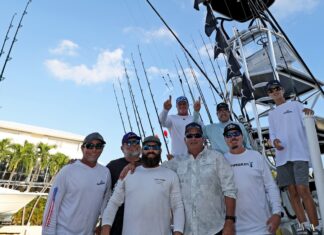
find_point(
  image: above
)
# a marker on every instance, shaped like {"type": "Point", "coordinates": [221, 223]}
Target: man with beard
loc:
{"type": "Point", "coordinates": [258, 205]}
{"type": "Point", "coordinates": [149, 194]}
{"type": "Point", "coordinates": [131, 149]}
{"type": "Point", "coordinates": [207, 186]}
{"type": "Point", "coordinates": [176, 124]}
{"type": "Point", "coordinates": [214, 132]}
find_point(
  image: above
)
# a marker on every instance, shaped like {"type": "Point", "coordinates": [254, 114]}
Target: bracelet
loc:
{"type": "Point", "coordinates": [229, 217]}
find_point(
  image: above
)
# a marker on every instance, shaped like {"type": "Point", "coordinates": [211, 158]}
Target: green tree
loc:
{"type": "Point", "coordinates": [5, 154]}
{"type": "Point", "coordinates": [56, 162]}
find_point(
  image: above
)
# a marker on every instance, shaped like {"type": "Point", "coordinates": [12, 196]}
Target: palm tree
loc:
{"type": "Point", "coordinates": [56, 162]}
{"type": "Point", "coordinates": [5, 153]}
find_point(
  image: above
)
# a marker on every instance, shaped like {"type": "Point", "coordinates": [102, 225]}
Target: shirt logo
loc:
{"type": "Point", "coordinates": [287, 111]}
{"type": "Point", "coordinates": [159, 181]}
{"type": "Point", "coordinates": [250, 164]}
{"type": "Point", "coordinates": [101, 182]}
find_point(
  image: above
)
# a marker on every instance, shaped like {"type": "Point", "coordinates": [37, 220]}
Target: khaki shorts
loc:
{"type": "Point", "coordinates": [293, 173]}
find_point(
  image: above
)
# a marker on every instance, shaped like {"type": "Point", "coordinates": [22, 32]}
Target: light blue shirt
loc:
{"type": "Point", "coordinates": [214, 133]}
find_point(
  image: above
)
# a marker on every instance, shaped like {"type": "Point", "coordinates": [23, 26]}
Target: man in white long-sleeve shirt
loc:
{"type": "Point", "coordinates": [258, 204]}
{"type": "Point", "coordinates": [176, 124]}
{"type": "Point", "coordinates": [149, 194]}
{"type": "Point", "coordinates": [79, 193]}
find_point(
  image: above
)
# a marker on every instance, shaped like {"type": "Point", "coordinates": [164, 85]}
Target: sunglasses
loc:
{"type": "Point", "coordinates": [190, 136]}
{"type": "Point", "coordinates": [272, 89]}
{"type": "Point", "coordinates": [92, 146]}
{"type": "Point", "coordinates": [133, 142]}
{"type": "Point", "coordinates": [233, 134]}
{"type": "Point", "coordinates": [151, 147]}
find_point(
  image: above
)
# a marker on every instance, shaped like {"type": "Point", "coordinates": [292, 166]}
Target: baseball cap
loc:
{"type": "Point", "coordinates": [232, 127]}
{"type": "Point", "coordinates": [130, 135]}
{"type": "Point", "coordinates": [193, 125]}
{"type": "Point", "coordinates": [152, 138]}
{"type": "Point", "coordinates": [222, 106]}
{"type": "Point", "coordinates": [273, 83]}
{"type": "Point", "coordinates": [182, 99]}
{"type": "Point", "coordinates": [94, 136]}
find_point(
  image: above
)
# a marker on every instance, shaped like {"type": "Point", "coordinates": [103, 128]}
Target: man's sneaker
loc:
{"type": "Point", "coordinates": [302, 231]}
{"type": "Point", "coordinates": [316, 232]}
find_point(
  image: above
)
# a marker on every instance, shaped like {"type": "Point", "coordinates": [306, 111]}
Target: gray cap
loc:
{"type": "Point", "coordinates": [94, 136]}
{"type": "Point", "coordinates": [152, 138]}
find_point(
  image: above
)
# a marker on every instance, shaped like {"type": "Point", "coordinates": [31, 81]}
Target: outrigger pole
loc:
{"type": "Point", "coordinates": [156, 111]}
{"type": "Point", "coordinates": [184, 48]}
{"type": "Point", "coordinates": [13, 41]}
{"type": "Point", "coordinates": [120, 114]}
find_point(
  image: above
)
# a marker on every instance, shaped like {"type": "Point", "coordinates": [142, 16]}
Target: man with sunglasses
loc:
{"type": "Point", "coordinates": [176, 124]}
{"type": "Point", "coordinates": [79, 193]}
{"type": "Point", "coordinates": [207, 186]}
{"type": "Point", "coordinates": [288, 136]}
{"type": "Point", "coordinates": [214, 132]}
{"type": "Point", "coordinates": [131, 148]}
{"type": "Point", "coordinates": [258, 205]}
{"type": "Point", "coordinates": [149, 194]}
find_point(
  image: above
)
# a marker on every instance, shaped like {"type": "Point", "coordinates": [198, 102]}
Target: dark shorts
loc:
{"type": "Point", "coordinates": [293, 173]}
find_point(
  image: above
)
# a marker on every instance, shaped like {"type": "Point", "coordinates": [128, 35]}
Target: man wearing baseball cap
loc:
{"type": "Point", "coordinates": [79, 193]}
{"type": "Point", "coordinates": [149, 194]}
{"type": "Point", "coordinates": [288, 136]}
{"type": "Point", "coordinates": [214, 132]}
{"type": "Point", "coordinates": [131, 148]}
{"type": "Point", "coordinates": [176, 124]}
{"type": "Point", "coordinates": [258, 195]}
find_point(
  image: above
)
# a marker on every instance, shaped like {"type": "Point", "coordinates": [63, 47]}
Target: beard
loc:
{"type": "Point", "coordinates": [132, 154]}
{"type": "Point", "coordinates": [151, 162]}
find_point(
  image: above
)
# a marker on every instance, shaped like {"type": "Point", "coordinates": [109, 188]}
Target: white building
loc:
{"type": "Point", "coordinates": [67, 143]}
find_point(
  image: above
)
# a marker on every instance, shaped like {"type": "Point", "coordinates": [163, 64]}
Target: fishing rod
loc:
{"type": "Point", "coordinates": [126, 108]}
{"type": "Point", "coordinates": [135, 109]}
{"type": "Point", "coordinates": [144, 101]}
{"type": "Point", "coordinates": [170, 80]}
{"type": "Point", "coordinates": [120, 114]}
{"type": "Point", "coordinates": [219, 68]}
{"type": "Point", "coordinates": [165, 82]}
{"type": "Point", "coordinates": [199, 89]}
{"type": "Point", "coordinates": [6, 37]}
{"type": "Point", "coordinates": [13, 41]}
{"type": "Point", "coordinates": [203, 65]}
{"type": "Point", "coordinates": [186, 80]}
{"type": "Point", "coordinates": [182, 45]}
{"type": "Point", "coordinates": [156, 111]}
{"type": "Point", "coordinates": [180, 80]}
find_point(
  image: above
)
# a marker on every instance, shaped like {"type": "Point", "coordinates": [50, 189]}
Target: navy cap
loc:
{"type": "Point", "coordinates": [222, 106]}
{"type": "Point", "coordinates": [94, 136]}
{"type": "Point", "coordinates": [130, 135]}
{"type": "Point", "coordinates": [273, 83]}
{"type": "Point", "coordinates": [182, 99]}
{"type": "Point", "coordinates": [152, 138]}
{"type": "Point", "coordinates": [232, 127]}
{"type": "Point", "coordinates": [193, 125]}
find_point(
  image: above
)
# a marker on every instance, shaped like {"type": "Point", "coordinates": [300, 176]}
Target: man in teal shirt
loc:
{"type": "Point", "coordinates": [214, 132]}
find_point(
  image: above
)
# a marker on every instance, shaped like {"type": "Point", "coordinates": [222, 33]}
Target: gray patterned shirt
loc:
{"type": "Point", "coordinates": [204, 182]}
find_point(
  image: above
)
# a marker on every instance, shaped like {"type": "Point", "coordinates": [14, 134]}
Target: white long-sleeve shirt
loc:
{"type": "Point", "coordinates": [176, 125]}
{"type": "Point", "coordinates": [76, 199]}
{"type": "Point", "coordinates": [258, 195]}
{"type": "Point", "coordinates": [286, 124]}
{"type": "Point", "coordinates": [149, 194]}
{"type": "Point", "coordinates": [204, 182]}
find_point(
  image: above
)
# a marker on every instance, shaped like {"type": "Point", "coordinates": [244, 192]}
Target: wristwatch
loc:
{"type": "Point", "coordinates": [230, 217]}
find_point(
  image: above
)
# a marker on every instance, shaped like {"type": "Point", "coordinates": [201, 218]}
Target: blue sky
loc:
{"type": "Point", "coordinates": [69, 53]}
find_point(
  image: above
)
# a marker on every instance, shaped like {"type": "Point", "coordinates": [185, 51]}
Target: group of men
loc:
{"type": "Point", "coordinates": [224, 187]}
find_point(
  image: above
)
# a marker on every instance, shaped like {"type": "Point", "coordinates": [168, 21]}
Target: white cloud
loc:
{"type": "Point", "coordinates": [107, 68]}
{"type": "Point", "coordinates": [149, 35]}
{"type": "Point", "coordinates": [65, 47]}
{"type": "Point", "coordinates": [285, 8]}
{"type": "Point", "coordinates": [157, 71]}
{"type": "Point", "coordinates": [203, 52]}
